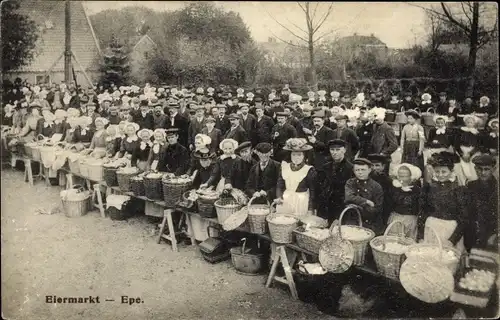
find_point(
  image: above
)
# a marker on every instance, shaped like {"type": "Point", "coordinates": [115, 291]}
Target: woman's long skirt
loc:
{"type": "Point", "coordinates": [410, 154]}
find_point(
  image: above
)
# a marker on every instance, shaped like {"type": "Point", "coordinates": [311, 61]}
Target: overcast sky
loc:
{"type": "Point", "coordinates": [399, 25]}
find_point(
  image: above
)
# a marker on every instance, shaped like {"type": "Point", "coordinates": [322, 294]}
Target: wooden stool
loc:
{"type": "Point", "coordinates": [97, 194]}
{"type": "Point", "coordinates": [168, 221]}
{"type": "Point", "coordinates": [14, 158]}
{"type": "Point", "coordinates": [28, 173]}
{"type": "Point", "coordinates": [44, 173]}
{"type": "Point", "coordinates": [280, 255]}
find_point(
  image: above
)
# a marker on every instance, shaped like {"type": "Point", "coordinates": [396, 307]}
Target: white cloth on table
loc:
{"type": "Point", "coordinates": [296, 203]}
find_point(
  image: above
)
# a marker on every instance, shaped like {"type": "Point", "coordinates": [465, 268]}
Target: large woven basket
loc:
{"type": "Point", "coordinates": [306, 242]}
{"type": "Point", "coordinates": [109, 176]}
{"type": "Point", "coordinates": [76, 208]}
{"type": "Point", "coordinates": [225, 207]}
{"type": "Point", "coordinates": [360, 246]}
{"type": "Point", "coordinates": [257, 214]}
{"type": "Point", "coordinates": [137, 186]}
{"type": "Point", "coordinates": [153, 188]}
{"type": "Point", "coordinates": [172, 192]}
{"type": "Point", "coordinates": [389, 263]}
{"type": "Point", "coordinates": [281, 233]}
{"type": "Point", "coordinates": [206, 207]}
{"type": "Point", "coordinates": [124, 180]}
{"type": "Point", "coordinates": [401, 117]}
{"type": "Point", "coordinates": [95, 171]}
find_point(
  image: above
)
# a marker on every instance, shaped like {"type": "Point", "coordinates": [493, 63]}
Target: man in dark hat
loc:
{"type": "Point", "coordinates": [221, 120]}
{"type": "Point", "coordinates": [236, 132]}
{"type": "Point", "coordinates": [74, 102]}
{"type": "Point", "coordinates": [319, 139]}
{"type": "Point", "coordinates": [344, 133]}
{"type": "Point", "coordinates": [282, 131]}
{"type": "Point", "coordinates": [145, 118]}
{"type": "Point", "coordinates": [176, 157]}
{"type": "Point", "coordinates": [83, 101]}
{"type": "Point", "coordinates": [175, 120]}
{"type": "Point", "coordinates": [263, 126]}
{"type": "Point", "coordinates": [380, 173]}
{"type": "Point", "coordinates": [482, 200]}
{"type": "Point", "coordinates": [159, 118]}
{"type": "Point", "coordinates": [196, 124]}
{"type": "Point", "coordinates": [333, 176]}
{"type": "Point", "coordinates": [244, 150]}
{"type": "Point", "coordinates": [367, 194]}
{"type": "Point", "coordinates": [292, 119]}
{"type": "Point", "coordinates": [276, 106]}
{"type": "Point", "coordinates": [114, 115]}
{"type": "Point", "coordinates": [383, 140]}
{"type": "Point", "coordinates": [106, 104]}
{"type": "Point", "coordinates": [261, 183]}
{"type": "Point", "coordinates": [258, 102]}
{"type": "Point", "coordinates": [379, 101]}
{"type": "Point", "coordinates": [214, 133]}
{"type": "Point", "coordinates": [248, 121]}
{"type": "Point", "coordinates": [442, 105]}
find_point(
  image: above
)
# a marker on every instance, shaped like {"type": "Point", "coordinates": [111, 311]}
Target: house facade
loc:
{"type": "Point", "coordinates": [48, 63]}
{"type": "Point", "coordinates": [139, 57]}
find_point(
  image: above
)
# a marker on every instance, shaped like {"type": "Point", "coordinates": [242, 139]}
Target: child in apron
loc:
{"type": "Point", "coordinates": [412, 140]}
{"type": "Point", "coordinates": [467, 145]}
{"type": "Point", "coordinates": [157, 150]}
{"type": "Point", "coordinates": [296, 184]}
{"type": "Point", "coordinates": [404, 198]}
{"type": "Point", "coordinates": [141, 152]}
{"type": "Point", "coordinates": [443, 203]}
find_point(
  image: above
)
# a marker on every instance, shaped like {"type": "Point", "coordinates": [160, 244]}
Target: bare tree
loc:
{"type": "Point", "coordinates": [435, 28]}
{"type": "Point", "coordinates": [309, 36]}
{"type": "Point", "coordinates": [478, 21]}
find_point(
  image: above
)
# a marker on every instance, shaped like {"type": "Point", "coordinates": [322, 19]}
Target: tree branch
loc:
{"type": "Point", "coordinates": [465, 12]}
{"type": "Point", "coordinates": [450, 18]}
{"type": "Point", "coordinates": [322, 21]}
{"type": "Point", "coordinates": [296, 26]}
{"type": "Point", "coordinates": [314, 12]}
{"type": "Point", "coordinates": [285, 41]}
{"type": "Point", "coordinates": [287, 29]}
{"type": "Point", "coordinates": [303, 9]}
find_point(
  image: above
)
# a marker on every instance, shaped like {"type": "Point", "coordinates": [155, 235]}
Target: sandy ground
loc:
{"type": "Point", "coordinates": [55, 255]}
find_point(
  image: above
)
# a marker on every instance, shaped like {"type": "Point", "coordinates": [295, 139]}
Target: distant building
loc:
{"type": "Point", "coordinates": [356, 45]}
{"type": "Point", "coordinates": [140, 55]}
{"type": "Point", "coordinates": [48, 63]}
{"type": "Point", "coordinates": [284, 54]}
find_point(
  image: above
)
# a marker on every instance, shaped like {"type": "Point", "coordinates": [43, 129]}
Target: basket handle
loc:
{"type": "Point", "coordinates": [350, 206]}
{"type": "Point", "coordinates": [433, 111]}
{"type": "Point", "coordinates": [403, 109]}
{"type": "Point", "coordinates": [210, 226]}
{"type": "Point", "coordinates": [417, 109]}
{"type": "Point", "coordinates": [38, 137]}
{"type": "Point", "coordinates": [389, 227]}
{"type": "Point", "coordinates": [439, 242]}
{"type": "Point", "coordinates": [253, 198]}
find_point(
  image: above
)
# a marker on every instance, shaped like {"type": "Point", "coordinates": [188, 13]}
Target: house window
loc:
{"type": "Point", "coordinates": [42, 79]}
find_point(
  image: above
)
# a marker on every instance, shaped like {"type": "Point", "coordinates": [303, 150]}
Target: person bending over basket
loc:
{"type": "Point", "coordinates": [202, 169]}
{"type": "Point", "coordinates": [113, 140]}
{"type": "Point", "coordinates": [83, 133]}
{"type": "Point", "coordinates": [404, 198]}
{"type": "Point", "coordinates": [366, 193]}
{"type": "Point", "coordinates": [296, 188]}
{"type": "Point", "coordinates": [142, 150]}
{"type": "Point", "coordinates": [227, 171]}
{"type": "Point", "coordinates": [261, 183]}
{"type": "Point", "coordinates": [443, 205]}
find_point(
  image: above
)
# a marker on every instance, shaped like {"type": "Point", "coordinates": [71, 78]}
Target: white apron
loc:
{"type": "Point", "coordinates": [444, 229]}
{"type": "Point", "coordinates": [409, 222]}
{"type": "Point", "coordinates": [296, 203]}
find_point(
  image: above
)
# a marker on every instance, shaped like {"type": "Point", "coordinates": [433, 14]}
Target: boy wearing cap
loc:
{"type": "Point", "coordinates": [319, 139]}
{"type": "Point", "coordinates": [221, 120]}
{"type": "Point", "coordinates": [248, 121]}
{"type": "Point", "coordinates": [144, 118]}
{"type": "Point", "coordinates": [282, 131]}
{"type": "Point", "coordinates": [196, 124]}
{"type": "Point", "coordinates": [214, 134]}
{"type": "Point", "coordinates": [408, 103]}
{"type": "Point", "coordinates": [333, 176]}
{"type": "Point", "coordinates": [245, 152]}
{"type": "Point", "coordinates": [264, 126]}
{"type": "Point", "coordinates": [236, 132]}
{"type": "Point", "coordinates": [380, 173]}
{"type": "Point", "coordinates": [367, 194]}
{"type": "Point", "coordinates": [348, 135]}
{"type": "Point", "coordinates": [442, 105]}
{"type": "Point", "coordinates": [263, 176]}
{"type": "Point", "coordinates": [482, 200]}
{"type": "Point", "coordinates": [176, 157]}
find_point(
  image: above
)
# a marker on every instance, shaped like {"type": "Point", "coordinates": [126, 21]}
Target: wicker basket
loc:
{"type": "Point", "coordinates": [206, 207]}
{"type": "Point", "coordinates": [123, 179]}
{"type": "Point", "coordinates": [137, 186]}
{"type": "Point", "coordinates": [390, 116]}
{"type": "Point", "coordinates": [306, 242]}
{"type": "Point", "coordinates": [95, 171]}
{"type": "Point", "coordinates": [389, 263]}
{"type": "Point", "coordinates": [257, 218]}
{"type": "Point", "coordinates": [84, 168]}
{"type": "Point", "coordinates": [76, 208]}
{"type": "Point", "coordinates": [428, 117]}
{"type": "Point", "coordinates": [172, 192]}
{"type": "Point", "coordinates": [109, 176]}
{"type": "Point", "coordinates": [225, 207]}
{"type": "Point", "coordinates": [452, 265]}
{"type": "Point", "coordinates": [401, 117]}
{"type": "Point", "coordinates": [360, 246]}
{"type": "Point", "coordinates": [153, 188]}
{"type": "Point", "coordinates": [281, 233]}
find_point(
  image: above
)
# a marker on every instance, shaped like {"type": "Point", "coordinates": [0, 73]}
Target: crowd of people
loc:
{"type": "Point", "coordinates": [313, 154]}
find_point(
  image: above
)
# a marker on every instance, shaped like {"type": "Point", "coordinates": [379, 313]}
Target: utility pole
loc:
{"type": "Point", "coordinates": [67, 50]}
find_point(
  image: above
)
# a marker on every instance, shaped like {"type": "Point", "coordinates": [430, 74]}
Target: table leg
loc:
{"type": "Point", "coordinates": [276, 260]}
{"type": "Point", "coordinates": [171, 229]}
{"type": "Point", "coordinates": [288, 270]}
{"type": "Point", "coordinates": [97, 191]}
{"type": "Point", "coordinates": [191, 231]}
